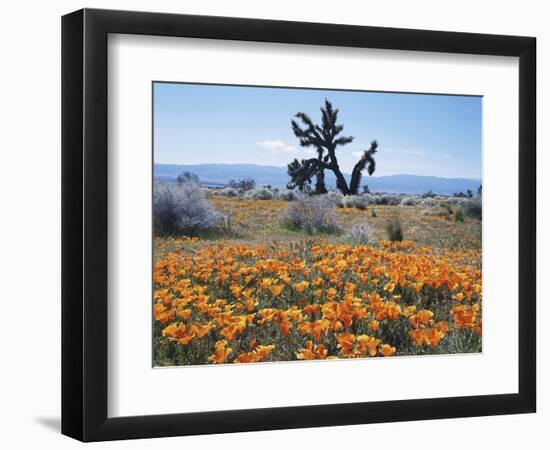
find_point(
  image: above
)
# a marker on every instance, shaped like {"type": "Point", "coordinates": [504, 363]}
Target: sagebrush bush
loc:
{"type": "Point", "coordinates": [357, 201]}
{"type": "Point", "coordinates": [408, 201]}
{"type": "Point", "coordinates": [394, 230]}
{"type": "Point", "coordinates": [360, 233]}
{"type": "Point", "coordinates": [457, 200]}
{"type": "Point", "coordinates": [362, 201]}
{"type": "Point", "coordinates": [348, 201]}
{"type": "Point", "coordinates": [473, 209]}
{"type": "Point", "coordinates": [182, 209]}
{"type": "Point", "coordinates": [428, 201]}
{"type": "Point", "coordinates": [459, 215]}
{"type": "Point", "coordinates": [335, 198]}
{"type": "Point", "coordinates": [229, 192]}
{"type": "Point", "coordinates": [387, 199]}
{"type": "Point", "coordinates": [313, 215]}
{"type": "Point", "coordinates": [287, 194]}
{"type": "Point", "coordinates": [259, 194]}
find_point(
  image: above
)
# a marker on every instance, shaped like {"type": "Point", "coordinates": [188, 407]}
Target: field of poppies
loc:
{"type": "Point", "coordinates": [257, 289]}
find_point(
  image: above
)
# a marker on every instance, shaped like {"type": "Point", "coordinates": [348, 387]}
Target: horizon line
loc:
{"type": "Point", "coordinates": [346, 173]}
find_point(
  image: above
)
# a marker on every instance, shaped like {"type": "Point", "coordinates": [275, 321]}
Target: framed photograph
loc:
{"type": "Point", "coordinates": [273, 224]}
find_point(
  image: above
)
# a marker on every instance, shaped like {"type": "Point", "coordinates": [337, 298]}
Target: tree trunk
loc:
{"type": "Point", "coordinates": [341, 181]}
{"type": "Point", "coordinates": [320, 187]}
{"type": "Point", "coordinates": [355, 180]}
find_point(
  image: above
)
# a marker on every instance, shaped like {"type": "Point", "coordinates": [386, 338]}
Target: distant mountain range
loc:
{"type": "Point", "coordinates": [218, 175]}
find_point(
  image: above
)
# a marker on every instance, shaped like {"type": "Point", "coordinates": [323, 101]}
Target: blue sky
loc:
{"type": "Point", "coordinates": [417, 134]}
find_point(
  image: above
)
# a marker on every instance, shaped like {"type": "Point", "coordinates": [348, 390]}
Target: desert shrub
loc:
{"type": "Point", "coordinates": [259, 194]}
{"type": "Point", "coordinates": [373, 213]}
{"type": "Point", "coordinates": [459, 215]}
{"type": "Point", "coordinates": [473, 209]}
{"type": "Point", "coordinates": [360, 233]}
{"type": "Point", "coordinates": [313, 215]}
{"type": "Point", "coordinates": [362, 201]}
{"type": "Point", "coordinates": [229, 192]}
{"type": "Point", "coordinates": [182, 209]}
{"type": "Point", "coordinates": [288, 195]}
{"type": "Point", "coordinates": [387, 199]}
{"type": "Point", "coordinates": [408, 201]}
{"type": "Point", "coordinates": [428, 201]}
{"type": "Point", "coordinates": [335, 198]}
{"type": "Point", "coordinates": [457, 200]}
{"type": "Point", "coordinates": [427, 212]}
{"type": "Point", "coordinates": [348, 201]}
{"type": "Point", "coordinates": [357, 201]}
{"type": "Point", "coordinates": [381, 199]}
{"type": "Point", "coordinates": [394, 230]}
{"type": "Point", "coordinates": [246, 184]}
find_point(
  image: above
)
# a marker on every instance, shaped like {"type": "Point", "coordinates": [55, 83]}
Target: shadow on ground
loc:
{"type": "Point", "coordinates": [52, 423]}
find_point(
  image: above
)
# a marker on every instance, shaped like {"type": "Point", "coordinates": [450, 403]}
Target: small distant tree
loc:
{"type": "Point", "coordinates": [479, 191]}
{"type": "Point", "coordinates": [366, 189]}
{"type": "Point", "coordinates": [428, 194]}
{"type": "Point", "coordinates": [187, 177]}
{"type": "Point", "coordinates": [469, 193]}
{"type": "Point", "coordinates": [245, 184]}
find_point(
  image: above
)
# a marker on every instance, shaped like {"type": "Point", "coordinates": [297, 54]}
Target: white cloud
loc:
{"type": "Point", "coordinates": [277, 146]}
{"type": "Point", "coordinates": [310, 151]}
{"type": "Point", "coordinates": [358, 154]}
{"type": "Point", "coordinates": [411, 152]}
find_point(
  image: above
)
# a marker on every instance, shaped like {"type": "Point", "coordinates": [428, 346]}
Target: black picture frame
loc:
{"type": "Point", "coordinates": [84, 224]}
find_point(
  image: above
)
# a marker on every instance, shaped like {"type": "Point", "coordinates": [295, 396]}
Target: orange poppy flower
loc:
{"type": "Point", "coordinates": [220, 352]}
{"type": "Point", "coordinates": [276, 290]}
{"type": "Point", "coordinates": [345, 341]}
{"type": "Point", "coordinates": [386, 350]}
{"type": "Point", "coordinates": [374, 325]}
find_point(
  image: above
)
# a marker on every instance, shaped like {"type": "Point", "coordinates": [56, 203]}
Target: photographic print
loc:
{"type": "Point", "coordinates": [296, 224]}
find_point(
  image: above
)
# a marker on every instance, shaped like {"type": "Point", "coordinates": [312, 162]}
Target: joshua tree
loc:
{"type": "Point", "coordinates": [325, 138]}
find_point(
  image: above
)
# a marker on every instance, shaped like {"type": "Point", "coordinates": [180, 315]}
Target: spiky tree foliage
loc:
{"type": "Point", "coordinates": [300, 173]}
{"type": "Point", "coordinates": [326, 138]}
{"type": "Point", "coordinates": [367, 160]}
